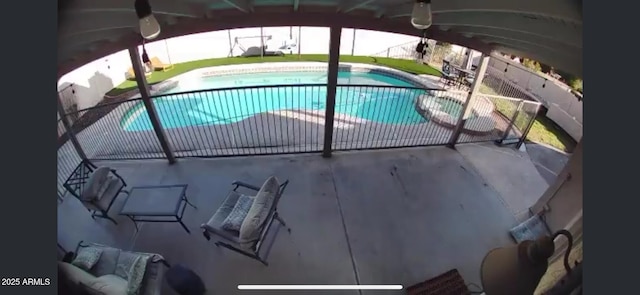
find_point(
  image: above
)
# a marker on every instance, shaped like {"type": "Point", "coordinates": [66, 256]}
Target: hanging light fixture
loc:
{"type": "Point", "coordinates": [421, 14]}
{"type": "Point", "coordinates": [149, 26]}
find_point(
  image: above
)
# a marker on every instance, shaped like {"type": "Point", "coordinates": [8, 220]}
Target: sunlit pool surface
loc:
{"type": "Point", "coordinates": [378, 104]}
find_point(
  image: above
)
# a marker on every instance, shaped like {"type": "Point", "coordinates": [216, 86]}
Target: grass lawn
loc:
{"type": "Point", "coordinates": [159, 76]}
{"type": "Point", "coordinates": [543, 129]}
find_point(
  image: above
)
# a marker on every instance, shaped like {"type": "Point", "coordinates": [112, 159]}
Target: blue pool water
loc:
{"type": "Point", "coordinates": [383, 105]}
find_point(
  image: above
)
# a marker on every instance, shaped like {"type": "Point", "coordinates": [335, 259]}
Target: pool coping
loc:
{"type": "Point", "coordinates": [271, 67]}
{"type": "Point", "coordinates": [451, 122]}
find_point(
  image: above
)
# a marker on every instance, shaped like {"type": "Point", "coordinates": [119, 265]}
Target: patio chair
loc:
{"type": "Point", "coordinates": [449, 76]}
{"type": "Point", "coordinates": [95, 187]}
{"type": "Point", "coordinates": [255, 225]}
{"type": "Point", "coordinates": [132, 76]}
{"type": "Point", "coordinates": [159, 65]}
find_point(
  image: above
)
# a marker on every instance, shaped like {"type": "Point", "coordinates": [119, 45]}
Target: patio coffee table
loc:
{"type": "Point", "coordinates": [156, 204]}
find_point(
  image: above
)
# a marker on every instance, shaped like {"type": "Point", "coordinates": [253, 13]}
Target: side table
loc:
{"type": "Point", "coordinates": [158, 203]}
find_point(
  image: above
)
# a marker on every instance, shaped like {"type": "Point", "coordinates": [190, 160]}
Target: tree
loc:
{"type": "Point", "coordinates": [532, 64]}
{"type": "Point", "coordinates": [571, 80]}
{"type": "Point", "coordinates": [545, 68]}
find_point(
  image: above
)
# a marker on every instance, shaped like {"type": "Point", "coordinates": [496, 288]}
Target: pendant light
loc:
{"type": "Point", "coordinates": [421, 14]}
{"type": "Point", "coordinates": [149, 26]}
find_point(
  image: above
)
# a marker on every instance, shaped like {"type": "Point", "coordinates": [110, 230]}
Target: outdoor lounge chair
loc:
{"type": "Point", "coordinates": [159, 65]}
{"type": "Point", "coordinates": [255, 225]}
{"type": "Point", "coordinates": [95, 187]}
{"type": "Point", "coordinates": [132, 75]}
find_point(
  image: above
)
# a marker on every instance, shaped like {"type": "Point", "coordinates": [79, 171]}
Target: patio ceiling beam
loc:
{"type": "Point", "coordinates": [111, 36]}
{"type": "Point", "coordinates": [566, 33]}
{"type": "Point", "coordinates": [167, 7]}
{"type": "Point", "coordinates": [245, 6]}
{"type": "Point", "coordinates": [567, 10]}
{"type": "Point", "coordinates": [240, 20]}
{"type": "Point", "coordinates": [571, 55]}
{"type": "Point", "coordinates": [353, 5]}
{"type": "Point", "coordinates": [98, 23]}
{"type": "Point", "coordinates": [573, 65]}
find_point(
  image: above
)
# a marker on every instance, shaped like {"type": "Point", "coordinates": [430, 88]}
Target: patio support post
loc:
{"type": "Point", "coordinates": [70, 133]}
{"type": "Point", "coordinates": [332, 82]}
{"type": "Point", "coordinates": [299, 38]}
{"type": "Point", "coordinates": [528, 128]}
{"type": "Point", "coordinates": [143, 87]}
{"type": "Point", "coordinates": [466, 108]}
{"type": "Point", "coordinates": [515, 115]}
{"type": "Point", "coordinates": [261, 43]}
{"type": "Point", "coordinates": [230, 43]}
{"type": "Point", "coordinates": [353, 43]}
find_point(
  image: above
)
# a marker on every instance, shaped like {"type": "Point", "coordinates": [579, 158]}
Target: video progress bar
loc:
{"type": "Point", "coordinates": [319, 287]}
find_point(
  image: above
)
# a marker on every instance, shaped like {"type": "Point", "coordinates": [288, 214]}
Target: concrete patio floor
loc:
{"type": "Point", "coordinates": [371, 217]}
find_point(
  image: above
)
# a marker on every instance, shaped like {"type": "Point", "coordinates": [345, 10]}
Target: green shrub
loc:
{"type": "Point", "coordinates": [532, 64]}
{"type": "Point", "coordinates": [573, 81]}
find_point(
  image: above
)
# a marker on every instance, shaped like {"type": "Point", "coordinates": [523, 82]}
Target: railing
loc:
{"type": "Point", "coordinates": [402, 51]}
{"type": "Point", "coordinates": [499, 118]}
{"type": "Point", "coordinates": [102, 137]}
{"type": "Point", "coordinates": [389, 117]}
{"type": "Point", "coordinates": [61, 130]}
{"type": "Point", "coordinates": [496, 83]}
{"type": "Point", "coordinates": [434, 56]}
{"type": "Point", "coordinates": [279, 119]}
{"type": "Point", "coordinates": [243, 121]}
{"type": "Point", "coordinates": [68, 158]}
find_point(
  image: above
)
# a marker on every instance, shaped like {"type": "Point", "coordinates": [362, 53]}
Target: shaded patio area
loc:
{"type": "Point", "coordinates": [377, 217]}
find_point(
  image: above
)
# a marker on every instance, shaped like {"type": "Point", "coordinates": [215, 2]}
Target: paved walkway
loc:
{"type": "Point", "coordinates": [508, 171]}
{"type": "Point", "coordinates": [548, 160]}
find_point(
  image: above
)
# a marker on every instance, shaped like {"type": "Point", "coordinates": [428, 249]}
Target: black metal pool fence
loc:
{"type": "Point", "coordinates": [282, 119]}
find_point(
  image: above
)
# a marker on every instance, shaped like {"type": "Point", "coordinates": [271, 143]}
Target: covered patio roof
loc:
{"type": "Point", "coordinates": [549, 31]}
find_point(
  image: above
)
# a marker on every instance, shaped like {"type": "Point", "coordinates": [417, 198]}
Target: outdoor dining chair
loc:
{"type": "Point", "coordinates": [449, 76]}
{"type": "Point", "coordinates": [95, 187]}
{"type": "Point", "coordinates": [243, 221]}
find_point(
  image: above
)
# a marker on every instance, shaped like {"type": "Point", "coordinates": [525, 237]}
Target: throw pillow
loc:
{"type": "Point", "coordinates": [107, 263]}
{"type": "Point", "coordinates": [125, 261]}
{"type": "Point", "coordinates": [87, 257]}
{"type": "Point", "coordinates": [260, 209]}
{"type": "Point", "coordinates": [234, 220]}
{"type": "Point", "coordinates": [105, 186]}
{"type": "Point", "coordinates": [136, 275]}
{"type": "Point", "coordinates": [96, 180]}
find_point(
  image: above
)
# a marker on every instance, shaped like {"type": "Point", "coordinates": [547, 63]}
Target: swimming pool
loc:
{"type": "Point", "coordinates": [385, 105]}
